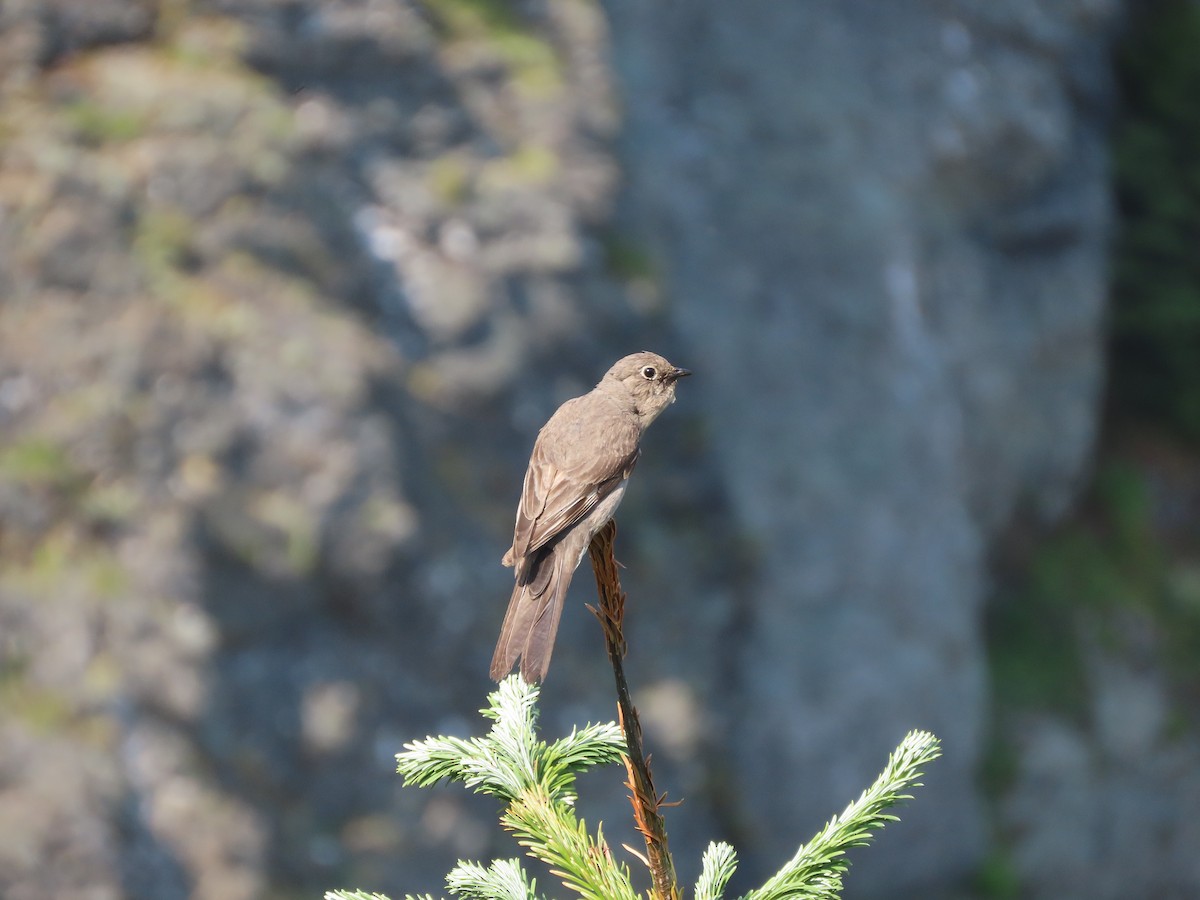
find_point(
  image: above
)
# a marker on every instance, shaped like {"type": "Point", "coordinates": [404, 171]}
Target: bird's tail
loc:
{"type": "Point", "coordinates": [531, 622]}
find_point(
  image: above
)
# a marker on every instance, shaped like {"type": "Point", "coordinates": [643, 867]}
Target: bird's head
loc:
{"type": "Point", "coordinates": [648, 380]}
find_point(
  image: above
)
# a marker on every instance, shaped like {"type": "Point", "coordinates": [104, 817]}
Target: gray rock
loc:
{"type": "Point", "coordinates": [288, 294]}
{"type": "Point", "coordinates": [1105, 810]}
{"type": "Point", "coordinates": [886, 224]}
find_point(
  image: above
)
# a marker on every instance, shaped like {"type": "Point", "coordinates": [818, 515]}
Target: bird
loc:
{"type": "Point", "coordinates": [577, 473]}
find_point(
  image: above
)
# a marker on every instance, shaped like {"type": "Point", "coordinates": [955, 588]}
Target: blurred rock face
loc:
{"type": "Point", "coordinates": [289, 289]}
{"type": "Point", "coordinates": [887, 225]}
{"type": "Point", "coordinates": [271, 273]}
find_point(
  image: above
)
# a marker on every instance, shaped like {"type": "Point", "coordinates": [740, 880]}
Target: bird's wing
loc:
{"type": "Point", "coordinates": [567, 477]}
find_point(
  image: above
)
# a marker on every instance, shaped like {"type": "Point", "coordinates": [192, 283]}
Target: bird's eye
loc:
{"type": "Point", "coordinates": [649, 372]}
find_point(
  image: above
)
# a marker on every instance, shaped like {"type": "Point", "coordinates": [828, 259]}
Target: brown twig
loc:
{"type": "Point", "coordinates": [646, 802]}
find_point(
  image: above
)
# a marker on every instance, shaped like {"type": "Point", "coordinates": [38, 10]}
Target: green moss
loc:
{"type": "Point", "coordinates": [199, 40]}
{"type": "Point", "coordinates": [627, 258]}
{"type": "Point", "coordinates": [51, 560]}
{"type": "Point", "coordinates": [999, 767]}
{"type": "Point", "coordinates": [1034, 656]}
{"type": "Point", "coordinates": [533, 62]}
{"type": "Point", "coordinates": [1109, 563]}
{"type": "Point", "coordinates": [274, 532]}
{"type": "Point", "coordinates": [37, 461]}
{"type": "Point", "coordinates": [449, 179]}
{"type": "Point", "coordinates": [535, 67]}
{"type": "Point", "coordinates": [1094, 563]}
{"type": "Point", "coordinates": [997, 878]}
{"type": "Point", "coordinates": [161, 244]}
{"type": "Point", "coordinates": [1156, 278]}
{"type": "Point", "coordinates": [172, 18]}
{"type": "Point", "coordinates": [39, 709]}
{"type": "Point", "coordinates": [63, 562]}
{"type": "Point", "coordinates": [110, 503]}
{"type": "Point", "coordinates": [95, 124]}
{"type": "Point", "coordinates": [528, 165]}
{"type": "Point", "coordinates": [106, 576]}
{"type": "Point", "coordinates": [473, 17]}
{"type": "Point", "coordinates": [1179, 609]}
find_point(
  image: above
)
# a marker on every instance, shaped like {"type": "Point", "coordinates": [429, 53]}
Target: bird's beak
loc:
{"type": "Point", "coordinates": [679, 373]}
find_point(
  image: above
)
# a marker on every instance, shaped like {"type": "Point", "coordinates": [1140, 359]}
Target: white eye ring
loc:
{"type": "Point", "coordinates": [649, 372]}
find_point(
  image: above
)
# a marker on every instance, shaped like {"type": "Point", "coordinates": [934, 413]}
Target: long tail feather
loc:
{"type": "Point", "coordinates": [539, 644]}
{"type": "Point", "coordinates": [517, 619]}
{"type": "Point", "coordinates": [531, 622]}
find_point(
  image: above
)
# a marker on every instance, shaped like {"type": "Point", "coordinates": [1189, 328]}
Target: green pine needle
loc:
{"type": "Point", "coordinates": [511, 759]}
{"type": "Point", "coordinates": [536, 781]}
{"type": "Point", "coordinates": [552, 834]}
{"type": "Point", "coordinates": [582, 749]}
{"type": "Point", "coordinates": [716, 868]}
{"type": "Point", "coordinates": [815, 872]}
{"type": "Point", "coordinates": [504, 879]}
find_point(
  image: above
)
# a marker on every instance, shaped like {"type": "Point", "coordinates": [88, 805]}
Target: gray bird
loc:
{"type": "Point", "coordinates": [576, 478]}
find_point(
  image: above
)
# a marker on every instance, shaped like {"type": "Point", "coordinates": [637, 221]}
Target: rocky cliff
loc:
{"type": "Point", "coordinates": [886, 227]}
{"type": "Point", "coordinates": [289, 288]}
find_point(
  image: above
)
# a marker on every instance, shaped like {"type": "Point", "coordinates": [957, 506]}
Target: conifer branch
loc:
{"type": "Point", "coordinates": [556, 837]}
{"type": "Point", "coordinates": [504, 879]}
{"type": "Point", "coordinates": [817, 868]}
{"type": "Point", "coordinates": [536, 780]}
{"type": "Point", "coordinates": [716, 868]}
